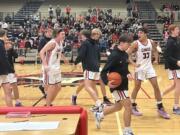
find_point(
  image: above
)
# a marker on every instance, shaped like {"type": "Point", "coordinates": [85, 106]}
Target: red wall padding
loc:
{"type": "Point", "coordinates": [82, 128]}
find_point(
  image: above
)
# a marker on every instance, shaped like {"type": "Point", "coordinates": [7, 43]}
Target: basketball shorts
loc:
{"type": "Point", "coordinates": [120, 95]}
{"type": "Point", "coordinates": [50, 77]}
{"type": "Point", "coordinates": [145, 74]}
{"type": "Point", "coordinates": [174, 74]}
{"type": "Point", "coordinates": [3, 79]}
{"type": "Point", "coordinates": [89, 75]}
{"type": "Point", "coordinates": [12, 78]}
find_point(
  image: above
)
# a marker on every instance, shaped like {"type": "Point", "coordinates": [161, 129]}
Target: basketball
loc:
{"type": "Point", "coordinates": [116, 77]}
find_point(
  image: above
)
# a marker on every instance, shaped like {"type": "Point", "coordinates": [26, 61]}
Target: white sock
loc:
{"type": "Point", "coordinates": [126, 129]}
{"type": "Point", "coordinates": [132, 100]}
{"type": "Point", "coordinates": [17, 101]}
{"type": "Point", "coordinates": [98, 103]}
{"type": "Point", "coordinates": [159, 102]}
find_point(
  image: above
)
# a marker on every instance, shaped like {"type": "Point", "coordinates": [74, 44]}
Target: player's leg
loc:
{"type": "Point", "coordinates": [137, 86]}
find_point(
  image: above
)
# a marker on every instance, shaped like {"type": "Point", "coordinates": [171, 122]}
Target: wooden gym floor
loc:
{"type": "Point", "coordinates": [148, 124]}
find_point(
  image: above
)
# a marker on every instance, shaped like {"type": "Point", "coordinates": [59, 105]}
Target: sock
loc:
{"type": "Point", "coordinates": [126, 129]}
{"type": "Point", "coordinates": [98, 103]}
{"type": "Point", "coordinates": [159, 104]}
{"type": "Point", "coordinates": [17, 101]}
{"type": "Point", "coordinates": [132, 101]}
{"type": "Point", "coordinates": [176, 106]}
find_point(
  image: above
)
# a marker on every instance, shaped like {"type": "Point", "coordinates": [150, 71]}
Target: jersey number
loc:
{"type": "Point", "coordinates": [146, 55]}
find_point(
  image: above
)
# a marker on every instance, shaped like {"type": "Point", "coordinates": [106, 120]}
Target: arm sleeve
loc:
{"type": "Point", "coordinates": [169, 53]}
{"type": "Point", "coordinates": [81, 54]}
{"type": "Point", "coordinates": [110, 63]}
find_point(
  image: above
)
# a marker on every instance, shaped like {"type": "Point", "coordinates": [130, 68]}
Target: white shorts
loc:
{"type": "Point", "coordinates": [174, 74]}
{"type": "Point", "coordinates": [89, 75]}
{"type": "Point", "coordinates": [12, 78]}
{"type": "Point", "coordinates": [145, 74]}
{"type": "Point", "coordinates": [120, 95]}
{"type": "Point", "coordinates": [3, 79]}
{"type": "Point", "coordinates": [51, 78]}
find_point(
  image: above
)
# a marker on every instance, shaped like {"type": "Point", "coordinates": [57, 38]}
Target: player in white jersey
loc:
{"type": "Point", "coordinates": [51, 56]}
{"type": "Point", "coordinates": [143, 48]}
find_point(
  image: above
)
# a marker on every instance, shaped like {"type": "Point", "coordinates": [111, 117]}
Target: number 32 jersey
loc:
{"type": "Point", "coordinates": [144, 56]}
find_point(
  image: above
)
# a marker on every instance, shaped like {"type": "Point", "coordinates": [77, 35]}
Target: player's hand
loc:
{"type": "Point", "coordinates": [178, 63]}
{"type": "Point", "coordinates": [130, 77]}
{"type": "Point", "coordinates": [111, 85]}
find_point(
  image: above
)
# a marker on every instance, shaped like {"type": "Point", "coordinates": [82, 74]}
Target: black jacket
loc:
{"type": "Point", "coordinates": [11, 54]}
{"type": "Point", "coordinates": [89, 55]}
{"type": "Point", "coordinates": [42, 42]}
{"type": "Point", "coordinates": [117, 62]}
{"type": "Point", "coordinates": [172, 53]}
{"type": "Point", "coordinates": [4, 64]}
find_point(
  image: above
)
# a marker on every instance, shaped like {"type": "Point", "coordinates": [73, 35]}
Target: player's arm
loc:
{"type": "Point", "coordinates": [155, 51]}
{"type": "Point", "coordinates": [44, 50]}
{"type": "Point", "coordinates": [109, 64]}
{"type": "Point", "coordinates": [132, 49]}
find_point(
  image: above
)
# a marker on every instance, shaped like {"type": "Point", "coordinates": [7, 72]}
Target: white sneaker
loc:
{"type": "Point", "coordinates": [98, 119]}
{"type": "Point", "coordinates": [128, 133]}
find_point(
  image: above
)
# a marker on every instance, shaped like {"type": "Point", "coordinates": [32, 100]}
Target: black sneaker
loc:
{"type": "Point", "coordinates": [107, 101]}
{"type": "Point", "coordinates": [73, 100]}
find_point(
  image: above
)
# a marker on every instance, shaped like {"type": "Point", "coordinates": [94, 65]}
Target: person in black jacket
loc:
{"type": "Point", "coordinates": [89, 55]}
{"type": "Point", "coordinates": [4, 69]}
{"type": "Point", "coordinates": [172, 62]}
{"type": "Point", "coordinates": [45, 38]}
{"type": "Point", "coordinates": [12, 54]}
{"type": "Point", "coordinates": [85, 34]}
{"type": "Point", "coordinates": [118, 62]}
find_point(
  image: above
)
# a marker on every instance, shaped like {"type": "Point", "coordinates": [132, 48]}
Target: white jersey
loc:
{"type": "Point", "coordinates": [53, 57]}
{"type": "Point", "coordinates": [144, 56]}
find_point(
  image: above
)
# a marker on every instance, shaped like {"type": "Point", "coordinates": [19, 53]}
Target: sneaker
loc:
{"type": "Point", "coordinates": [176, 111]}
{"type": "Point", "coordinates": [107, 101]}
{"type": "Point", "coordinates": [135, 111]}
{"type": "Point", "coordinates": [163, 113]}
{"type": "Point", "coordinates": [128, 133]}
{"type": "Point", "coordinates": [73, 100]}
{"type": "Point", "coordinates": [97, 108]}
{"type": "Point", "coordinates": [50, 105]}
{"type": "Point", "coordinates": [19, 104]}
{"type": "Point", "coordinates": [98, 119]}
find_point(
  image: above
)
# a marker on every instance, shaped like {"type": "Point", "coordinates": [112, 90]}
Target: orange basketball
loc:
{"type": "Point", "coordinates": [116, 77]}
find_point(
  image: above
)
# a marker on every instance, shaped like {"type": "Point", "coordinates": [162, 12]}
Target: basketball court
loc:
{"type": "Point", "coordinates": [148, 124]}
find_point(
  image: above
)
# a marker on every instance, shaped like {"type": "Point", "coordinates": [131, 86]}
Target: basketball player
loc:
{"type": "Point", "coordinates": [172, 57]}
{"type": "Point", "coordinates": [12, 54]}
{"type": "Point", "coordinates": [143, 48]}
{"type": "Point", "coordinates": [4, 70]}
{"type": "Point", "coordinates": [89, 55]}
{"type": "Point", "coordinates": [85, 34]}
{"type": "Point", "coordinates": [51, 55]}
{"type": "Point", "coordinates": [118, 62]}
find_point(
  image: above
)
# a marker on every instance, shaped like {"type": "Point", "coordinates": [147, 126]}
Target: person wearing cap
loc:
{"type": "Point", "coordinates": [51, 55]}
{"type": "Point", "coordinates": [143, 48]}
